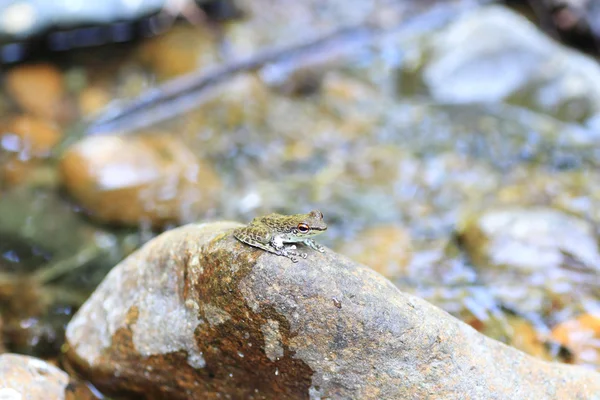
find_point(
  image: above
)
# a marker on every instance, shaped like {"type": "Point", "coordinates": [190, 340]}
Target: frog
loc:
{"type": "Point", "coordinates": [271, 233]}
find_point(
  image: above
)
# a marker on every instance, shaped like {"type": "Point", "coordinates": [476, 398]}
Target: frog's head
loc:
{"type": "Point", "coordinates": [307, 225]}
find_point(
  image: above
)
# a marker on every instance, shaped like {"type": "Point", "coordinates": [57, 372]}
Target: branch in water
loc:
{"type": "Point", "coordinates": [187, 92]}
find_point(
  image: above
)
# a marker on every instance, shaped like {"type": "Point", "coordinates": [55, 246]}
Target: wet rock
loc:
{"type": "Point", "coordinates": [133, 180]}
{"type": "Point", "coordinates": [25, 140]}
{"type": "Point", "coordinates": [518, 333]}
{"type": "Point", "coordinates": [15, 172]}
{"type": "Point", "coordinates": [508, 59]}
{"type": "Point", "coordinates": [181, 50]}
{"type": "Point", "coordinates": [24, 377]}
{"type": "Point", "coordinates": [580, 336]}
{"type": "Point", "coordinates": [534, 258]}
{"type": "Point", "coordinates": [197, 314]}
{"type": "Point", "coordinates": [92, 99]}
{"type": "Point", "coordinates": [30, 136]}
{"type": "Point", "coordinates": [386, 249]}
{"type": "Point", "coordinates": [37, 89]}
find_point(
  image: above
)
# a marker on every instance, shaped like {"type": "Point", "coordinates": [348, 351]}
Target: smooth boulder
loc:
{"type": "Point", "coordinates": [196, 314]}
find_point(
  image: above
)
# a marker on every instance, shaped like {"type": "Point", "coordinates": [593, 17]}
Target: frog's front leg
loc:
{"type": "Point", "coordinates": [289, 252]}
{"type": "Point", "coordinates": [314, 245]}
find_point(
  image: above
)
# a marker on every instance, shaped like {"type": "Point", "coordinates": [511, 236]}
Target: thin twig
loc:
{"type": "Point", "coordinates": [64, 266]}
{"type": "Point", "coordinates": [187, 92]}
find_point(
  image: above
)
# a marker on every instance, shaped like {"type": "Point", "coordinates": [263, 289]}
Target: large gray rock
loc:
{"type": "Point", "coordinates": [197, 314]}
{"type": "Point", "coordinates": [537, 260]}
{"type": "Point", "coordinates": [494, 54]}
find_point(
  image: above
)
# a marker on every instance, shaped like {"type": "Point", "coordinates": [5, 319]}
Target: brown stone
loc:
{"type": "Point", "coordinates": [580, 335]}
{"type": "Point", "coordinates": [131, 180]}
{"type": "Point", "coordinates": [92, 99]}
{"type": "Point", "coordinates": [37, 89]}
{"type": "Point", "coordinates": [14, 171]}
{"type": "Point", "coordinates": [36, 137]}
{"type": "Point", "coordinates": [197, 314]}
{"type": "Point", "coordinates": [182, 50]}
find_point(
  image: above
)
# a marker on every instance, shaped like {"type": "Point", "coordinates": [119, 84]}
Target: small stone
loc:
{"type": "Point", "coordinates": [535, 259]}
{"type": "Point", "coordinates": [92, 99]}
{"type": "Point", "coordinates": [179, 51]}
{"type": "Point", "coordinates": [26, 140]}
{"type": "Point", "coordinates": [132, 180]}
{"type": "Point", "coordinates": [386, 249]}
{"type": "Point", "coordinates": [15, 172]}
{"type": "Point", "coordinates": [35, 137]}
{"type": "Point", "coordinates": [24, 377]}
{"type": "Point", "coordinates": [37, 88]}
{"type": "Point", "coordinates": [581, 336]}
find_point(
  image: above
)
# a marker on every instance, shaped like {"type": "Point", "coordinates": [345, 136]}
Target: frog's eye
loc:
{"type": "Point", "coordinates": [303, 228]}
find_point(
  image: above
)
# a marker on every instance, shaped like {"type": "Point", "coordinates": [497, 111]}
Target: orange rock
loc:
{"type": "Point", "coordinates": [36, 137]}
{"type": "Point", "coordinates": [527, 339]}
{"type": "Point", "coordinates": [37, 89]}
{"type": "Point", "coordinates": [386, 249]}
{"type": "Point", "coordinates": [15, 171]}
{"type": "Point", "coordinates": [180, 51]}
{"type": "Point", "coordinates": [133, 180]}
{"type": "Point", "coordinates": [92, 99]}
{"type": "Point", "coordinates": [582, 337]}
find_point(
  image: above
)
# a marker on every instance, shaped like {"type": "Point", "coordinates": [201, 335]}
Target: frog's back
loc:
{"type": "Point", "coordinates": [252, 233]}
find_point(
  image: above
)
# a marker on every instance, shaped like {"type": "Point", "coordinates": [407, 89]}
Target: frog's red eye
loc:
{"type": "Point", "coordinates": [303, 228]}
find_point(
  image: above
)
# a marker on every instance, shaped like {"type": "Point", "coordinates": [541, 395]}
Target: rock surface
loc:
{"type": "Point", "coordinates": [28, 378]}
{"type": "Point", "coordinates": [197, 314]}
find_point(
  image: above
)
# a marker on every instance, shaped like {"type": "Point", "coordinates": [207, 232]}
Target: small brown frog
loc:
{"type": "Point", "coordinates": [270, 232]}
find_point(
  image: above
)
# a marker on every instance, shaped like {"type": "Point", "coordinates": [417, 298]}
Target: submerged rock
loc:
{"type": "Point", "coordinates": [197, 314]}
{"type": "Point", "coordinates": [535, 259]}
{"type": "Point", "coordinates": [580, 336]}
{"type": "Point", "coordinates": [508, 59]}
{"type": "Point", "coordinates": [24, 377]}
{"type": "Point", "coordinates": [131, 180]}
{"type": "Point", "coordinates": [37, 89]}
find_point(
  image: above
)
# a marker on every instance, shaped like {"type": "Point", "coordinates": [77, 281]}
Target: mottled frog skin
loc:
{"type": "Point", "coordinates": [272, 231]}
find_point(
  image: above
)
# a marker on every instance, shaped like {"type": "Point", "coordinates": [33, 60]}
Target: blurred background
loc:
{"type": "Point", "coordinates": [453, 146]}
